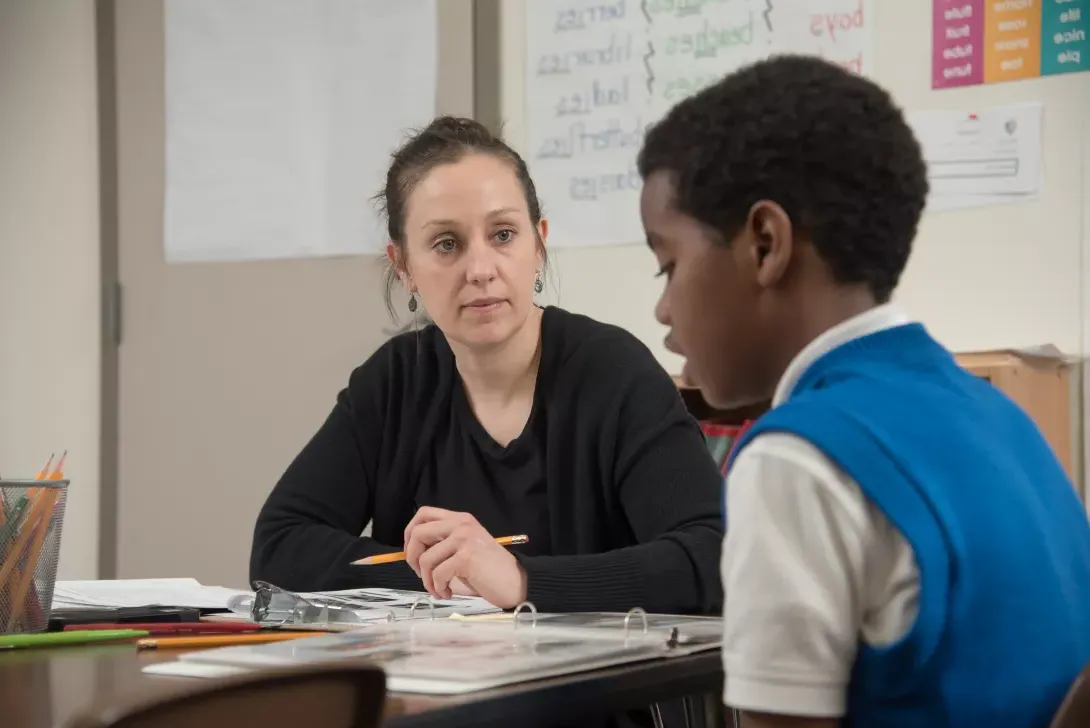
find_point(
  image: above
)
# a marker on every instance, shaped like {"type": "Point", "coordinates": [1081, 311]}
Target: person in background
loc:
{"type": "Point", "coordinates": [903, 548]}
{"type": "Point", "coordinates": [501, 418]}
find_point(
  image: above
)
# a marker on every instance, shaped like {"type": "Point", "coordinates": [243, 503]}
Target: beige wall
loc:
{"type": "Point", "coordinates": [49, 256]}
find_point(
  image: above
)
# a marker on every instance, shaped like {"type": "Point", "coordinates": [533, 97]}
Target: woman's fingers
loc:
{"type": "Point", "coordinates": [426, 514]}
{"type": "Point", "coordinates": [447, 571]}
{"type": "Point", "coordinates": [433, 558]}
{"type": "Point", "coordinates": [423, 537]}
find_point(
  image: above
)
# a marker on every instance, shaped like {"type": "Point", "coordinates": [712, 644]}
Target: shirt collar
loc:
{"type": "Point", "coordinates": [879, 318]}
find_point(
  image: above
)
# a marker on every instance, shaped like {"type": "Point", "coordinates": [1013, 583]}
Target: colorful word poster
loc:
{"type": "Point", "coordinates": [991, 41]}
{"type": "Point", "coordinates": [598, 73]}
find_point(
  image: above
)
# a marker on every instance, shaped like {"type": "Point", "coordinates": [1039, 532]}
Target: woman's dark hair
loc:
{"type": "Point", "coordinates": [445, 140]}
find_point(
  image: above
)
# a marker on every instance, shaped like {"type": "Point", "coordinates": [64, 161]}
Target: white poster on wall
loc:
{"type": "Point", "coordinates": [599, 73]}
{"type": "Point", "coordinates": [280, 119]}
{"type": "Point", "coordinates": [987, 157]}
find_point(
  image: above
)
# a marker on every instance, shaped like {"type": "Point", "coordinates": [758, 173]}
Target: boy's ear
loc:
{"type": "Point", "coordinates": [772, 241]}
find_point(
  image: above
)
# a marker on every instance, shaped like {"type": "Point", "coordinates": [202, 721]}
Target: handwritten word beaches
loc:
{"type": "Point", "coordinates": [612, 68]}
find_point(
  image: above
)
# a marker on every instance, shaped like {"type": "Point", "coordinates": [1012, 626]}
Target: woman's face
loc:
{"type": "Point", "coordinates": [471, 252]}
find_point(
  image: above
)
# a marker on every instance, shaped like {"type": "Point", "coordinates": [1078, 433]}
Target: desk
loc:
{"type": "Point", "coordinates": [44, 688]}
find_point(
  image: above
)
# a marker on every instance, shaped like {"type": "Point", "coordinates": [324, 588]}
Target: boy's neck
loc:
{"type": "Point", "coordinates": [822, 310]}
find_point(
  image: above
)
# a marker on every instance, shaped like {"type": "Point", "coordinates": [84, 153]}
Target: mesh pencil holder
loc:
{"type": "Point", "coordinates": [31, 516]}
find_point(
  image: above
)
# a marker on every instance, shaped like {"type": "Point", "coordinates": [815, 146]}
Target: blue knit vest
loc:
{"type": "Point", "coordinates": [1000, 538]}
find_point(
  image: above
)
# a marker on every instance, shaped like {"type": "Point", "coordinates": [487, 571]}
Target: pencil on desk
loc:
{"type": "Point", "coordinates": [51, 639]}
{"type": "Point", "coordinates": [155, 629]}
{"type": "Point", "coordinates": [400, 555]}
{"type": "Point", "coordinates": [219, 640]}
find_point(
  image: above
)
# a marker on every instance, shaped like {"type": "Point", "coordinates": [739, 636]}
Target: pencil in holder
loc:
{"type": "Point", "coordinates": [31, 516]}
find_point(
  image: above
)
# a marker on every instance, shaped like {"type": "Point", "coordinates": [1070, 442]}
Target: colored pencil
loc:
{"type": "Point", "coordinates": [25, 598]}
{"type": "Point", "coordinates": [176, 628]}
{"type": "Point", "coordinates": [52, 639]}
{"type": "Point", "coordinates": [40, 529]}
{"type": "Point", "coordinates": [24, 536]}
{"type": "Point", "coordinates": [219, 640]}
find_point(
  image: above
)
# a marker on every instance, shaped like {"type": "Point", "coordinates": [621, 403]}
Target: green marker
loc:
{"type": "Point", "coordinates": [12, 520]}
{"type": "Point", "coordinates": [68, 637]}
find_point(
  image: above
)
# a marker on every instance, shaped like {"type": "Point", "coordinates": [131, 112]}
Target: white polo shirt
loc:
{"type": "Point", "coordinates": [810, 567]}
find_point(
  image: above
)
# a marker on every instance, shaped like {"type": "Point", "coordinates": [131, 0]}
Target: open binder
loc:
{"type": "Point", "coordinates": [461, 655]}
{"type": "Point", "coordinates": [271, 606]}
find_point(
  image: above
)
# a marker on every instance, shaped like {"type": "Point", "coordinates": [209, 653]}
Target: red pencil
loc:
{"type": "Point", "coordinates": [157, 628]}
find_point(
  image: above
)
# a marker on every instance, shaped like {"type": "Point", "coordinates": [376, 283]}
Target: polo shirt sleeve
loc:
{"type": "Point", "coordinates": [795, 570]}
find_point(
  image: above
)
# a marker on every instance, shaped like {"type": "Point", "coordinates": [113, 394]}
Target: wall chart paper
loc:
{"type": "Point", "coordinates": [599, 73]}
{"type": "Point", "coordinates": [988, 157]}
{"type": "Point", "coordinates": [991, 41]}
{"type": "Point", "coordinates": [275, 141]}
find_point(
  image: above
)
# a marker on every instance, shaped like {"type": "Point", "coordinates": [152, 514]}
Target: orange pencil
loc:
{"type": "Point", "coordinates": [24, 593]}
{"type": "Point", "coordinates": [37, 525]}
{"type": "Point", "coordinates": [58, 472]}
{"type": "Point", "coordinates": [219, 640]}
{"type": "Point", "coordinates": [400, 555]}
{"type": "Point", "coordinates": [45, 468]}
{"type": "Point", "coordinates": [42, 503]}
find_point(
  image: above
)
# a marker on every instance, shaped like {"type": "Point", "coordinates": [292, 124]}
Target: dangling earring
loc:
{"type": "Point", "coordinates": [539, 285]}
{"type": "Point", "coordinates": [412, 303]}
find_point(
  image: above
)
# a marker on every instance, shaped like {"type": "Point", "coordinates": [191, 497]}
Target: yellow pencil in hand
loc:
{"type": "Point", "coordinates": [400, 555]}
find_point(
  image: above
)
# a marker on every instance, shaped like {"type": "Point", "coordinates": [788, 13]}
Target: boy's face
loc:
{"type": "Point", "coordinates": [716, 300]}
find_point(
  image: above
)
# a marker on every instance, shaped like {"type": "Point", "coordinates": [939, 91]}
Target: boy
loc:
{"type": "Point", "coordinates": [903, 547]}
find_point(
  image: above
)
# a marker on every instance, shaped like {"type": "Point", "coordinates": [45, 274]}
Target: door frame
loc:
{"type": "Point", "coordinates": [486, 108]}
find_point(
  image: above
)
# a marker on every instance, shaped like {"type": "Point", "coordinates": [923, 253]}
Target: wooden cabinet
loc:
{"type": "Point", "coordinates": [1044, 384]}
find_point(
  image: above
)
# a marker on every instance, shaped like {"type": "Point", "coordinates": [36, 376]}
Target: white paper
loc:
{"type": "Point", "coordinates": [280, 119]}
{"type": "Point", "coordinates": [418, 656]}
{"type": "Point", "coordinates": [599, 73]}
{"type": "Point", "coordinates": [988, 156]}
{"type": "Point", "coordinates": [178, 668]}
{"type": "Point", "coordinates": [115, 593]}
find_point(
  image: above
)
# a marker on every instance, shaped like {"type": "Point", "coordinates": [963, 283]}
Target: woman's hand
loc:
{"type": "Point", "coordinates": [453, 554]}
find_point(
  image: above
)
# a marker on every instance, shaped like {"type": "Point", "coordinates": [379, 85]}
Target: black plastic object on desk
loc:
{"type": "Point", "coordinates": [62, 618]}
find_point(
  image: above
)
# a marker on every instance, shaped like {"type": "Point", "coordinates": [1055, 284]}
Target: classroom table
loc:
{"type": "Point", "coordinates": [44, 688]}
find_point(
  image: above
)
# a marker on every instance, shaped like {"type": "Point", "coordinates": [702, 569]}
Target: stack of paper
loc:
{"type": "Point", "coordinates": [449, 656]}
{"type": "Point", "coordinates": [364, 604]}
{"type": "Point", "coordinates": [115, 593]}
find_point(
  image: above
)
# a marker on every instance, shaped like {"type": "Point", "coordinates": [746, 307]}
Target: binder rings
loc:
{"type": "Point", "coordinates": [271, 606]}
{"type": "Point", "coordinates": [461, 655]}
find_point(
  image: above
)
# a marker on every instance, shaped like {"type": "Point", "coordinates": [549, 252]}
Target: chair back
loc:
{"type": "Point", "coordinates": [331, 696]}
{"type": "Point", "coordinates": [1074, 712]}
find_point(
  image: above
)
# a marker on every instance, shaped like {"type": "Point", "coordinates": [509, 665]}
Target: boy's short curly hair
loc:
{"type": "Point", "coordinates": [830, 147]}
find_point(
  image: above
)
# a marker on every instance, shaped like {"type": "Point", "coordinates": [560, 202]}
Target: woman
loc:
{"type": "Point", "coordinates": [500, 418]}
